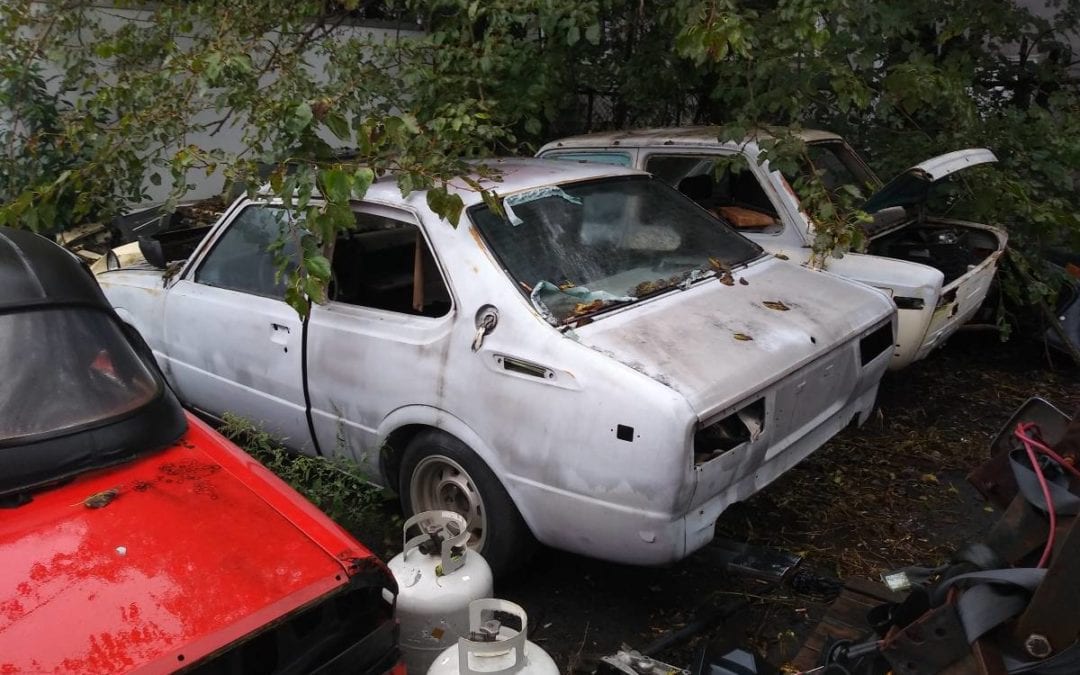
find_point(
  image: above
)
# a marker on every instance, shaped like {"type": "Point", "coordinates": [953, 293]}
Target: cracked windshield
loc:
{"type": "Point", "coordinates": [580, 248]}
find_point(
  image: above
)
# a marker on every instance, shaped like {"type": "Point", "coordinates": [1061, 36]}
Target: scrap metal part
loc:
{"type": "Point", "coordinates": [633, 662]}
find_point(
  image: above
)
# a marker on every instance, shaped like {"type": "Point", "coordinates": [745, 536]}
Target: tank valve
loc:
{"type": "Point", "coordinates": [487, 632]}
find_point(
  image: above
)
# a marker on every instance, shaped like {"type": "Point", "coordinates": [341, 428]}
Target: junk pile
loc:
{"type": "Point", "coordinates": [725, 655]}
{"type": "Point", "coordinates": [93, 241]}
{"type": "Point", "coordinates": [1007, 604]}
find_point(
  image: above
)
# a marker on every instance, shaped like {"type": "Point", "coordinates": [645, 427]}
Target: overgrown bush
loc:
{"type": "Point", "coordinates": [95, 109]}
{"type": "Point", "coordinates": [902, 80]}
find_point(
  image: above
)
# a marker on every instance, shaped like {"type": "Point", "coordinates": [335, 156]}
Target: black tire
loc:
{"type": "Point", "coordinates": [433, 456]}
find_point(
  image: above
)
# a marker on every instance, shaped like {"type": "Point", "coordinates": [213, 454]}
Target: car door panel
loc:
{"type": "Point", "coordinates": [233, 345]}
{"type": "Point", "coordinates": [373, 350]}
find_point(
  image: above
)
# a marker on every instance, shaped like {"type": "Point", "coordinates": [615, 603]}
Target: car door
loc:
{"type": "Point", "coordinates": [233, 344]}
{"type": "Point", "coordinates": [383, 339]}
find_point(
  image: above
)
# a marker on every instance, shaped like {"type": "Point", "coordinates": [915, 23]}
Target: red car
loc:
{"type": "Point", "coordinates": [133, 537]}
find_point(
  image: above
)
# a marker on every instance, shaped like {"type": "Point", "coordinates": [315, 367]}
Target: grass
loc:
{"type": "Point", "coordinates": [338, 486]}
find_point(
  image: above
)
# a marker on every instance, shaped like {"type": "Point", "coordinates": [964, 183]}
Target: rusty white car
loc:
{"type": "Point", "coordinates": [600, 367]}
{"type": "Point", "coordinates": [937, 270]}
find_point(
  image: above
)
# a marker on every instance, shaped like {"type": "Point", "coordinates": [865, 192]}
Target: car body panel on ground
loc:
{"type": "Point", "coordinates": [133, 537]}
{"type": "Point", "coordinates": [901, 258]}
{"type": "Point", "coordinates": [584, 407]}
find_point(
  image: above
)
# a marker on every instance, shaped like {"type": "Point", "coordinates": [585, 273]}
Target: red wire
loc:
{"type": "Point", "coordinates": [1051, 454]}
{"type": "Point", "coordinates": [1029, 446]}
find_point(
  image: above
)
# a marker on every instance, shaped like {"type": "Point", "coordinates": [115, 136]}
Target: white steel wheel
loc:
{"type": "Point", "coordinates": [439, 482]}
{"type": "Point", "coordinates": [438, 471]}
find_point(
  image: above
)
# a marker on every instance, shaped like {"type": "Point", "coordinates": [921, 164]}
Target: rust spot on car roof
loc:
{"type": "Point", "coordinates": [476, 237]}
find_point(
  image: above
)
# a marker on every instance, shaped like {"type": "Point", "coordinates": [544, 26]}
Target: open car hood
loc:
{"type": "Point", "coordinates": [912, 187]}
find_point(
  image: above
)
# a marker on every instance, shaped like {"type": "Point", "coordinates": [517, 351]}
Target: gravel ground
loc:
{"type": "Point", "coordinates": [889, 494]}
{"type": "Point", "coordinates": [886, 495]}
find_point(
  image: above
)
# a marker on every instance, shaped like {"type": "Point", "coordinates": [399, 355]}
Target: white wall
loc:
{"type": "Point", "coordinates": [229, 138]}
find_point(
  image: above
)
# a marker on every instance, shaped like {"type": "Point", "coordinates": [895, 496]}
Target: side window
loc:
{"type": "Point", "coordinates": [241, 259]}
{"type": "Point", "coordinates": [386, 264]}
{"type": "Point", "coordinates": [735, 197]}
{"type": "Point", "coordinates": [837, 167]}
{"type": "Point", "coordinates": [616, 158]}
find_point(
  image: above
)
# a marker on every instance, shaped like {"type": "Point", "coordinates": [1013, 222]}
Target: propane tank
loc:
{"type": "Point", "coordinates": [437, 577]}
{"type": "Point", "coordinates": [492, 648]}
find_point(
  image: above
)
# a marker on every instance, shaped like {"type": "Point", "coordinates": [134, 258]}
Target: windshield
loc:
{"type": "Point", "coordinates": [580, 248]}
{"type": "Point", "coordinates": [66, 367]}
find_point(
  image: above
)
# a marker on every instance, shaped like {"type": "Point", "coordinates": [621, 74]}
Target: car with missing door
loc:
{"type": "Point", "coordinates": [133, 537]}
{"type": "Point", "coordinates": [595, 364]}
{"type": "Point", "coordinates": [937, 270]}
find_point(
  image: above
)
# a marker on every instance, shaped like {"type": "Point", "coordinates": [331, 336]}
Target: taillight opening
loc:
{"type": "Point", "coordinates": [742, 426]}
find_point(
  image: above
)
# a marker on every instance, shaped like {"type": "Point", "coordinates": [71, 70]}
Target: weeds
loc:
{"type": "Point", "coordinates": [338, 486]}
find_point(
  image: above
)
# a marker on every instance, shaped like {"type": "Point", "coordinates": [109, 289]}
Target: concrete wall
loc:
{"type": "Point", "coordinates": [230, 136]}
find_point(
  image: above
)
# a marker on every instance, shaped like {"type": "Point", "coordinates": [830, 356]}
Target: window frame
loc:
{"type": "Point", "coordinates": [407, 217]}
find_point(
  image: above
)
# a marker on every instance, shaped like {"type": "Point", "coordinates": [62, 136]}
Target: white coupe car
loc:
{"type": "Point", "coordinates": [601, 367]}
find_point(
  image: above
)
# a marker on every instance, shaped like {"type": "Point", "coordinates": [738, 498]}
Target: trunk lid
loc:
{"type": "Point", "coordinates": [694, 340]}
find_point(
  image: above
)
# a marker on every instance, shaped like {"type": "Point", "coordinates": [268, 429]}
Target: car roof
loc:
{"type": "Point", "coordinates": [515, 174]}
{"type": "Point", "coordinates": [694, 135]}
{"type": "Point", "coordinates": [36, 271]}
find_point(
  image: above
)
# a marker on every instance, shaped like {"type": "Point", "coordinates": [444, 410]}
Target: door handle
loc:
{"type": "Point", "coordinates": [279, 335]}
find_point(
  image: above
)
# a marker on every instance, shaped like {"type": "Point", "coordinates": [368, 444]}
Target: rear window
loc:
{"type": "Point", "coordinates": [65, 368]}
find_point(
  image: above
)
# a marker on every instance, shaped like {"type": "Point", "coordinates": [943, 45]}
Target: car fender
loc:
{"type": "Point", "coordinates": [442, 420]}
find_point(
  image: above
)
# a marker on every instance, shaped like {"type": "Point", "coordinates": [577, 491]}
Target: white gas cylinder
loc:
{"type": "Point", "coordinates": [437, 577]}
{"type": "Point", "coordinates": [493, 648]}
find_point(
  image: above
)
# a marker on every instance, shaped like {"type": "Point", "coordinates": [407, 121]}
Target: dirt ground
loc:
{"type": "Point", "coordinates": [886, 495]}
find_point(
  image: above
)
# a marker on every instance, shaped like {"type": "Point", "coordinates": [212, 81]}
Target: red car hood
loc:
{"type": "Point", "coordinates": [200, 546]}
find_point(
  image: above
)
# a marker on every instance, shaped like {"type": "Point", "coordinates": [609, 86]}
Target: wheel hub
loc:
{"type": "Point", "coordinates": [439, 482]}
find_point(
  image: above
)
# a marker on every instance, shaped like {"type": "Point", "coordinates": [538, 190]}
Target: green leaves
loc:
{"type": "Point", "coordinates": [445, 204]}
{"type": "Point", "coordinates": [362, 179]}
{"type": "Point", "coordinates": [592, 34]}
{"type": "Point", "coordinates": [338, 126]}
{"type": "Point", "coordinates": [336, 185]}
{"type": "Point", "coordinates": [246, 94]}
{"type": "Point", "coordinates": [318, 267]}
{"type": "Point", "coordinates": [299, 118]}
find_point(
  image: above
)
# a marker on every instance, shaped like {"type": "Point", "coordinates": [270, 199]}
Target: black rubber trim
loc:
{"type": "Point", "coordinates": [304, 377]}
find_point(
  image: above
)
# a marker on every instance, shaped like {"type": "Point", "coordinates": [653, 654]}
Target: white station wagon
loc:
{"type": "Point", "coordinates": [937, 270]}
{"type": "Point", "coordinates": [601, 367]}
